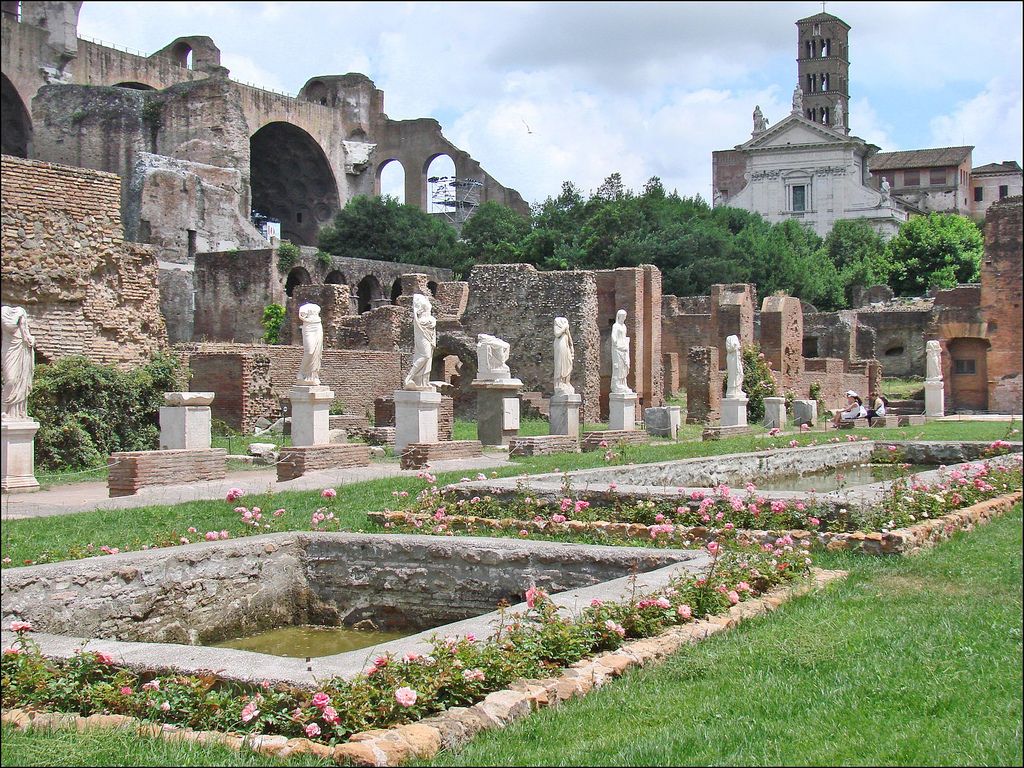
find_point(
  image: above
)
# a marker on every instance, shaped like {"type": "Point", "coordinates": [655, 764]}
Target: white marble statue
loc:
{"type": "Point", "coordinates": [620, 354]}
{"type": "Point", "coordinates": [933, 362]}
{"type": "Point", "coordinates": [838, 116]}
{"type": "Point", "coordinates": [798, 100]}
{"type": "Point", "coordinates": [565, 355]}
{"type": "Point", "coordinates": [18, 362]}
{"type": "Point", "coordinates": [885, 191]}
{"type": "Point", "coordinates": [492, 358]}
{"type": "Point", "coordinates": [734, 368]}
{"type": "Point", "coordinates": [424, 327]}
{"type": "Point", "coordinates": [312, 345]}
{"type": "Point", "coordinates": [760, 123]}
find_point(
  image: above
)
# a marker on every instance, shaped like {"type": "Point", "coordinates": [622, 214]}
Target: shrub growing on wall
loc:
{"type": "Point", "coordinates": [288, 255]}
{"type": "Point", "coordinates": [86, 410]}
{"type": "Point", "coordinates": [273, 319]}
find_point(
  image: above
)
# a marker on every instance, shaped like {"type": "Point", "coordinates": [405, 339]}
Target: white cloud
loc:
{"type": "Point", "coordinates": [245, 70]}
{"type": "Point", "coordinates": [991, 121]}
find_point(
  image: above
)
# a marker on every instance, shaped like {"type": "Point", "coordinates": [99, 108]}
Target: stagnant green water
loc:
{"type": "Point", "coordinates": [827, 480]}
{"type": "Point", "coordinates": [310, 640]}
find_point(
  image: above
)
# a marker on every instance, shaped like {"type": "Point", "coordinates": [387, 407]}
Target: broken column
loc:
{"type": "Point", "coordinates": [934, 394]}
{"type": "Point", "coordinates": [497, 398]}
{"type": "Point", "coordinates": [775, 412]}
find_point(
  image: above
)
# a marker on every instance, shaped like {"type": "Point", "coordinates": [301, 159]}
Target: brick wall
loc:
{"type": "Point", "coordinates": [1001, 281]}
{"type": "Point", "coordinates": [251, 379]}
{"type": "Point", "coordinates": [65, 260]}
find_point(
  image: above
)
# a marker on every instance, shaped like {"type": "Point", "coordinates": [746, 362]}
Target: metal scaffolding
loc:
{"type": "Point", "coordinates": [456, 198]}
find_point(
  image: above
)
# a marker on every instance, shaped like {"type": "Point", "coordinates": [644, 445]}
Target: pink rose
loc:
{"type": "Point", "coordinates": [166, 707]}
{"type": "Point", "coordinates": [330, 715]}
{"type": "Point", "coordinates": [234, 494]}
{"type": "Point", "coordinates": [405, 696]}
{"type": "Point", "coordinates": [249, 711]}
{"type": "Point", "coordinates": [328, 493]}
{"type": "Point", "coordinates": [104, 658]}
{"type": "Point", "coordinates": [685, 612]}
{"type": "Point", "coordinates": [20, 626]}
{"type": "Point", "coordinates": [473, 675]}
{"type": "Point", "coordinates": [321, 700]}
{"type": "Point", "coordinates": [225, 535]}
{"type": "Point", "coordinates": [152, 685]}
{"type": "Point", "coordinates": [531, 596]}
{"type": "Point", "coordinates": [733, 597]}
{"type": "Point", "coordinates": [126, 691]}
{"type": "Point", "coordinates": [212, 536]}
{"type": "Point", "coordinates": [312, 730]}
{"type": "Point", "coordinates": [713, 547]}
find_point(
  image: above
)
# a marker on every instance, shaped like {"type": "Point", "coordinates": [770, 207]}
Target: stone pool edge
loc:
{"type": "Point", "coordinates": [454, 727]}
{"type": "Point", "coordinates": [899, 541]}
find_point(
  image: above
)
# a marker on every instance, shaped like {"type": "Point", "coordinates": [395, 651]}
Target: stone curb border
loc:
{"type": "Point", "coordinates": [454, 727]}
{"type": "Point", "coordinates": [900, 541]}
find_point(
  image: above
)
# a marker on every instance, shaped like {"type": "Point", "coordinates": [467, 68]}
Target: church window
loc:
{"type": "Point", "coordinates": [911, 178]}
{"type": "Point", "coordinates": [824, 81]}
{"type": "Point", "coordinates": [979, 194]}
{"type": "Point", "coordinates": [826, 48]}
{"type": "Point", "coordinates": [826, 116]}
{"type": "Point", "coordinates": [800, 197]}
{"type": "Point", "coordinates": [816, 29]}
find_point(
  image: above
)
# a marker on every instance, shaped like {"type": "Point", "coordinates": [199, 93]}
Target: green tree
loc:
{"type": "Point", "coordinates": [859, 255]}
{"type": "Point", "coordinates": [381, 228]}
{"type": "Point", "coordinates": [273, 319]}
{"type": "Point", "coordinates": [938, 250]}
{"type": "Point", "coordinates": [494, 234]}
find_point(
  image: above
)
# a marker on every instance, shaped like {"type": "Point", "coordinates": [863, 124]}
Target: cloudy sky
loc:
{"type": "Point", "coordinates": [541, 93]}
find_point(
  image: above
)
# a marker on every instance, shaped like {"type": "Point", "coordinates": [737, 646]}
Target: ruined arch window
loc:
{"type": "Point", "coordinates": [810, 346]}
{"type": "Point", "coordinates": [441, 191]}
{"type": "Point", "coordinates": [369, 294]}
{"type": "Point", "coordinates": [432, 287]}
{"type": "Point", "coordinates": [391, 180]}
{"type": "Point", "coordinates": [182, 54]}
{"type": "Point", "coordinates": [894, 351]}
{"type": "Point", "coordinates": [336, 277]}
{"type": "Point", "coordinates": [826, 48]}
{"type": "Point", "coordinates": [298, 276]}
{"type": "Point", "coordinates": [396, 290]}
{"type": "Point", "coordinates": [16, 133]}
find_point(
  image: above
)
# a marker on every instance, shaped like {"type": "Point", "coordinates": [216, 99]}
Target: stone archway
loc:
{"type": "Point", "coordinates": [336, 277]}
{"type": "Point", "coordinates": [16, 134]}
{"type": "Point", "coordinates": [369, 294]}
{"type": "Point", "coordinates": [292, 181]}
{"type": "Point", "coordinates": [297, 276]}
{"type": "Point", "coordinates": [396, 290]}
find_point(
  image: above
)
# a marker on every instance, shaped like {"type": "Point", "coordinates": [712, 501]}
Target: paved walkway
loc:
{"type": "Point", "coordinates": [83, 497]}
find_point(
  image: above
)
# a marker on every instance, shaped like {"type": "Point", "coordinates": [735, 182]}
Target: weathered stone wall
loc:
{"type": "Point", "coordinates": [65, 259]}
{"type": "Point", "coordinates": [703, 386]}
{"type": "Point", "coordinates": [899, 335]}
{"type": "Point", "coordinates": [1001, 282]}
{"type": "Point", "coordinates": [782, 334]}
{"type": "Point", "coordinates": [733, 307]}
{"type": "Point", "coordinates": [251, 379]}
{"type": "Point", "coordinates": [517, 303]}
{"type": "Point", "coordinates": [232, 290]}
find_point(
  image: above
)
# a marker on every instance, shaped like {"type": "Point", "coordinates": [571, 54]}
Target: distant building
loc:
{"type": "Point", "coordinates": [992, 183]}
{"type": "Point", "coordinates": [932, 180]}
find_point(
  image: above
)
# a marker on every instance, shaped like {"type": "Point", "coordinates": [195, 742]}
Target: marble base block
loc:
{"type": "Point", "coordinates": [185, 426]}
{"type": "Point", "coordinates": [775, 412]}
{"type": "Point", "coordinates": [18, 472]}
{"type": "Point", "coordinates": [415, 418]}
{"type": "Point", "coordinates": [311, 420]}
{"type": "Point", "coordinates": [663, 421]}
{"type": "Point", "coordinates": [734, 412]}
{"type": "Point", "coordinates": [497, 410]}
{"type": "Point", "coordinates": [805, 412]}
{"type": "Point", "coordinates": [564, 416]}
{"type": "Point", "coordinates": [622, 411]}
{"type": "Point", "coordinates": [934, 398]}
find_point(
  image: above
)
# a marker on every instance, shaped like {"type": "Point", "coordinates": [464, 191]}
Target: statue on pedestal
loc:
{"type": "Point", "coordinates": [565, 355]}
{"type": "Point", "coordinates": [798, 100]}
{"type": "Point", "coordinates": [933, 362]}
{"type": "Point", "coordinates": [424, 341]}
{"type": "Point", "coordinates": [620, 355]}
{"type": "Point", "coordinates": [760, 122]}
{"type": "Point", "coordinates": [18, 355]}
{"type": "Point", "coordinates": [492, 358]}
{"type": "Point", "coordinates": [885, 191]}
{"type": "Point", "coordinates": [734, 368]}
{"type": "Point", "coordinates": [312, 345]}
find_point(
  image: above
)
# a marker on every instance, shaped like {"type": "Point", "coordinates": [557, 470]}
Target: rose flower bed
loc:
{"type": "Point", "coordinates": [907, 503]}
{"type": "Point", "coordinates": [458, 671]}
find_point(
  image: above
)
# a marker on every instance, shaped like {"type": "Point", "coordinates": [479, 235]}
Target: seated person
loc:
{"type": "Point", "coordinates": [854, 409]}
{"type": "Point", "coordinates": [877, 408]}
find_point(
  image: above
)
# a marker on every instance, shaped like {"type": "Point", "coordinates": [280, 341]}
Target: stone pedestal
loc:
{"type": "Point", "coordinates": [663, 421]}
{"type": "Point", "coordinates": [934, 398]}
{"type": "Point", "coordinates": [415, 418]}
{"type": "Point", "coordinates": [497, 410]}
{"type": "Point", "coordinates": [311, 421]}
{"type": "Point", "coordinates": [805, 412]}
{"type": "Point", "coordinates": [775, 412]}
{"type": "Point", "coordinates": [564, 417]}
{"type": "Point", "coordinates": [734, 412]}
{"type": "Point", "coordinates": [622, 411]}
{"type": "Point", "coordinates": [17, 439]}
{"type": "Point", "coordinates": [185, 426]}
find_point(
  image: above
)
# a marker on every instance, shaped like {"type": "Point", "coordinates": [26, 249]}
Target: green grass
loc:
{"type": "Point", "coordinates": [903, 389]}
{"type": "Point", "coordinates": [123, 746]}
{"type": "Point", "coordinates": [911, 661]}
{"type": "Point", "coordinates": [26, 540]}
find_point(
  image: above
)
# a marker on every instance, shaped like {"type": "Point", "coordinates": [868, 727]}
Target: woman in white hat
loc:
{"type": "Point", "coordinates": [854, 409]}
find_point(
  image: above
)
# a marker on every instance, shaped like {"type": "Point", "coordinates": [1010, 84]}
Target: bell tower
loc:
{"type": "Point", "coordinates": [823, 69]}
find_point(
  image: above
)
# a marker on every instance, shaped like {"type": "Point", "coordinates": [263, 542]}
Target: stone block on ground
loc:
{"type": "Point", "coordinates": [542, 445]}
{"type": "Point", "coordinates": [417, 455]}
{"type": "Point", "coordinates": [131, 470]}
{"type": "Point", "coordinates": [612, 437]}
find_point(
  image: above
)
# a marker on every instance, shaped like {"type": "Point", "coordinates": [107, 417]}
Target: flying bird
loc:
{"type": "Point", "coordinates": [527, 126]}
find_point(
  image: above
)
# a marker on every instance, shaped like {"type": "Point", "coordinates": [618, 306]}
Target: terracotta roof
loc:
{"type": "Point", "coordinates": [1007, 166]}
{"type": "Point", "coordinates": [920, 158]}
{"type": "Point", "coordinates": [823, 17]}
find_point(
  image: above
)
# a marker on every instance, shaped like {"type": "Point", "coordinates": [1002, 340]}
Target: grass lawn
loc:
{"type": "Point", "coordinates": [911, 661]}
{"type": "Point", "coordinates": [28, 539]}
